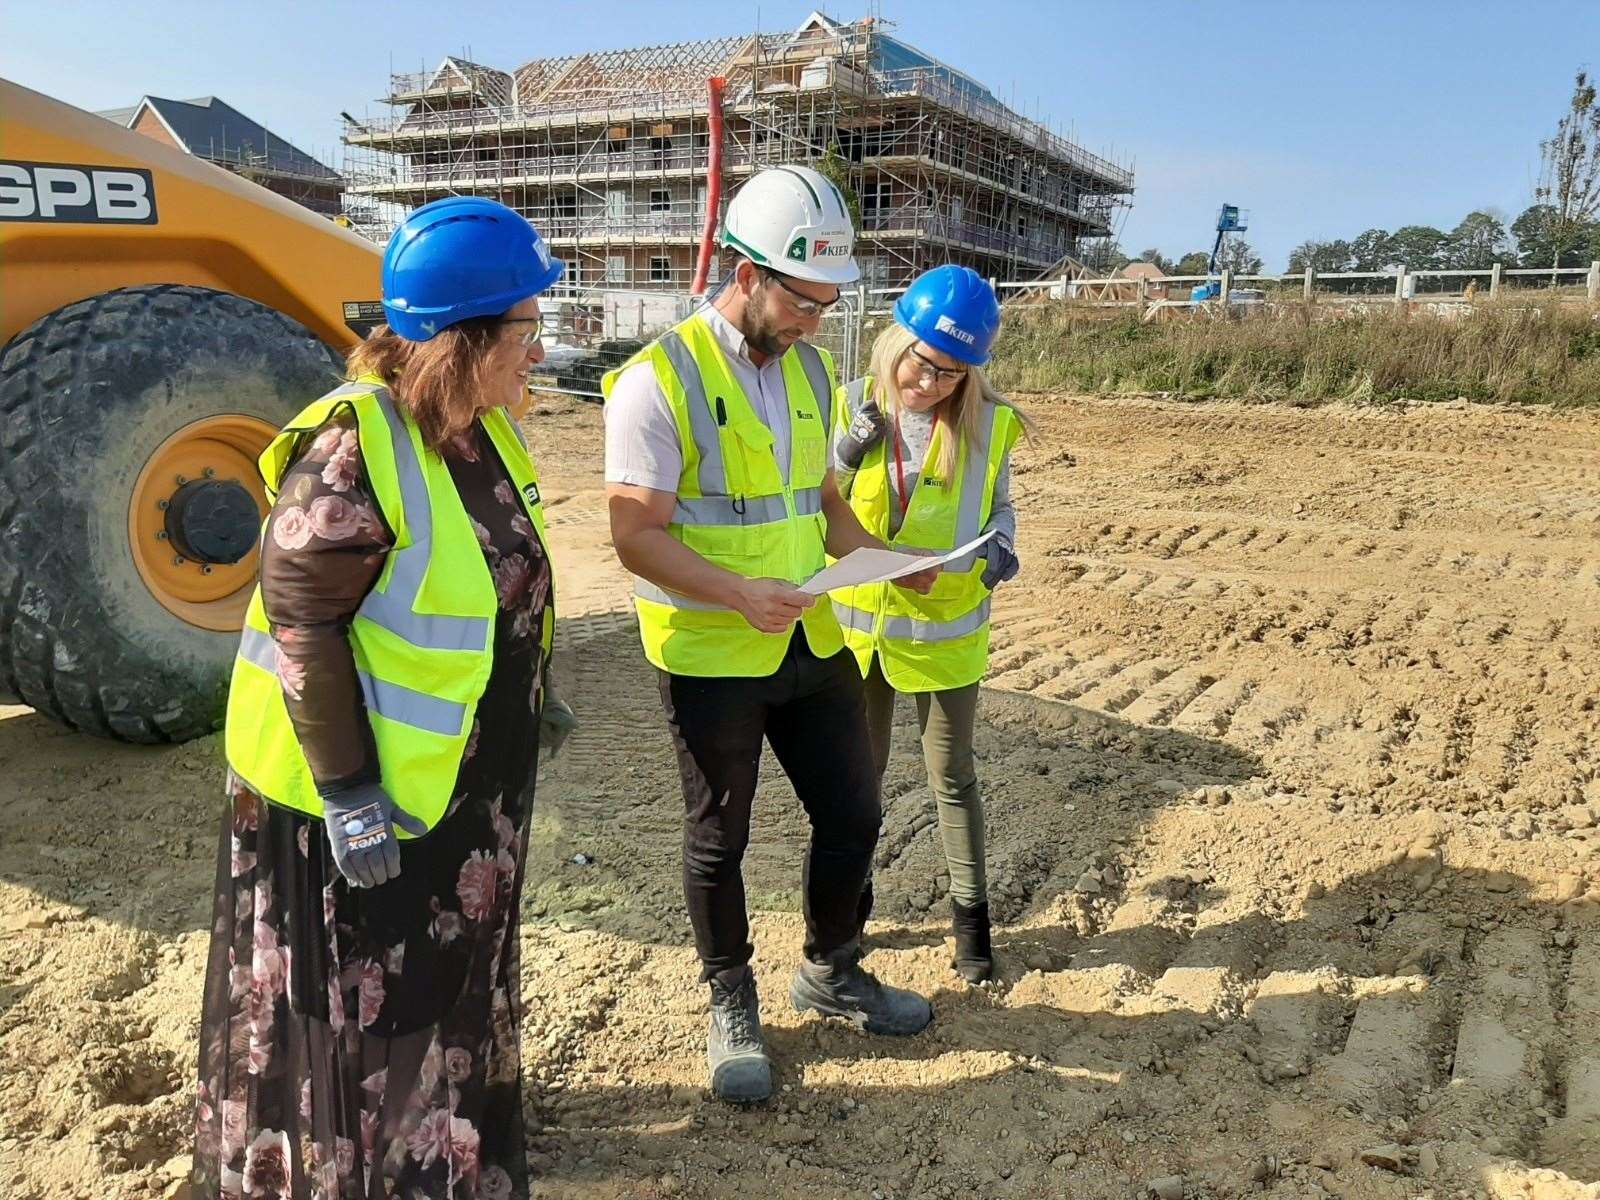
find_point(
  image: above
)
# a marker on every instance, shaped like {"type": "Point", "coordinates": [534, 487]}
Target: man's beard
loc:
{"type": "Point", "coordinates": [763, 332]}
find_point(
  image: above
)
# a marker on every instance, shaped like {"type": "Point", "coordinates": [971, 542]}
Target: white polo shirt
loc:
{"type": "Point", "coordinates": [642, 447]}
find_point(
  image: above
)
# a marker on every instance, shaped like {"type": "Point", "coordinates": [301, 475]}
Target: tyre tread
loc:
{"type": "Point", "coordinates": [53, 655]}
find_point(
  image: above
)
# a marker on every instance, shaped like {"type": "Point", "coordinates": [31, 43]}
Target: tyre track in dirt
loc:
{"type": "Point", "coordinates": [1359, 677]}
{"type": "Point", "coordinates": [1294, 846]}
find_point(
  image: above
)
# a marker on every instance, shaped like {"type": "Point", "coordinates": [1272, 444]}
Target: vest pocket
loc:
{"type": "Point", "coordinates": [728, 546]}
{"type": "Point", "coordinates": [748, 459]}
{"type": "Point", "coordinates": [810, 461]}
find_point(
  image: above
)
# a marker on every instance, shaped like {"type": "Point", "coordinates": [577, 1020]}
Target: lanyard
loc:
{"type": "Point", "coordinates": [900, 469]}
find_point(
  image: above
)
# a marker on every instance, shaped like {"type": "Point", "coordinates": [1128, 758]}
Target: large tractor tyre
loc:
{"type": "Point", "coordinates": [130, 503]}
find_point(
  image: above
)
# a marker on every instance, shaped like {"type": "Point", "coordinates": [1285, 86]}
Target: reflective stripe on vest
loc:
{"type": "Point", "coordinates": [713, 479]}
{"type": "Point", "coordinates": [646, 590]}
{"type": "Point", "coordinates": [969, 513]}
{"type": "Point", "coordinates": [714, 506]}
{"type": "Point", "coordinates": [739, 503]}
{"type": "Point", "coordinates": [969, 516]}
{"type": "Point", "coordinates": [392, 607]}
{"type": "Point", "coordinates": [421, 673]}
{"type": "Point", "coordinates": [856, 620]}
{"type": "Point", "coordinates": [391, 701]}
{"type": "Point", "coordinates": [744, 510]}
{"type": "Point", "coordinates": [859, 620]}
{"type": "Point", "coordinates": [937, 641]}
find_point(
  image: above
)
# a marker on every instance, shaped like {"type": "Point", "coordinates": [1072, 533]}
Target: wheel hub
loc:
{"type": "Point", "coordinates": [212, 521]}
{"type": "Point", "coordinates": [194, 518]}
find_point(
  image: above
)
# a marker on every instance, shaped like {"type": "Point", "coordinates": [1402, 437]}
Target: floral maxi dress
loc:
{"type": "Point", "coordinates": [363, 1043]}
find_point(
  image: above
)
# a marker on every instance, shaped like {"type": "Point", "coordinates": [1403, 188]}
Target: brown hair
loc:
{"type": "Point", "coordinates": [438, 381]}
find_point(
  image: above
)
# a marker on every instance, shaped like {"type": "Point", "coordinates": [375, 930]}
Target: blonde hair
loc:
{"type": "Point", "coordinates": [439, 381]}
{"type": "Point", "coordinates": [957, 414]}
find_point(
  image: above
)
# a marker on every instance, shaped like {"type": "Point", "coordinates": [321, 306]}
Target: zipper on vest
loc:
{"type": "Point", "coordinates": [786, 483]}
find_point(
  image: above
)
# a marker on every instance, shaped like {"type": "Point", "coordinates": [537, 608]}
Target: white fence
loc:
{"type": "Point", "coordinates": [1402, 287]}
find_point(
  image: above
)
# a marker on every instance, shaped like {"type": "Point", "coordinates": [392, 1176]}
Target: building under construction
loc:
{"type": "Point", "coordinates": [214, 130]}
{"type": "Point", "coordinates": [609, 153]}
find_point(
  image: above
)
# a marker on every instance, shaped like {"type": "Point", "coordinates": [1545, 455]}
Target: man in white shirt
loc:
{"type": "Point", "coordinates": [720, 486]}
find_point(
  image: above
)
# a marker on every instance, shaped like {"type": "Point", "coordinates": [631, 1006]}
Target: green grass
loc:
{"type": "Point", "coordinates": [1503, 351]}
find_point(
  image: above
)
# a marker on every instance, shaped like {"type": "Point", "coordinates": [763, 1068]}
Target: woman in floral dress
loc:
{"type": "Point", "coordinates": [362, 1041]}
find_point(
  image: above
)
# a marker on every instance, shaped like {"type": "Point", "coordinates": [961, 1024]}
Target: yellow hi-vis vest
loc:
{"type": "Point", "coordinates": [736, 507]}
{"type": "Point", "coordinates": [941, 640]}
{"type": "Point", "coordinates": [422, 637]}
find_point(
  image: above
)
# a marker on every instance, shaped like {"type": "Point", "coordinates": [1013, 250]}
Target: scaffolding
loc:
{"type": "Point", "coordinates": [607, 153]}
{"type": "Point", "coordinates": [308, 184]}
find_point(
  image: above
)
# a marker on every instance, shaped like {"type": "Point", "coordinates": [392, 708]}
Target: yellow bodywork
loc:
{"type": "Point", "coordinates": [213, 229]}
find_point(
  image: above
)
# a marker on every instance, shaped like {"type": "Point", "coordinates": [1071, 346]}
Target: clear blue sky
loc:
{"type": "Point", "coordinates": [1323, 117]}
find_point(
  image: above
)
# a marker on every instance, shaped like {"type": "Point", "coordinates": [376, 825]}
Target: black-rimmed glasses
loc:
{"type": "Point", "coordinates": [932, 372]}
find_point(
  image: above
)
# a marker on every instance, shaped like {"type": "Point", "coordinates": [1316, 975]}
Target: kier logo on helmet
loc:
{"type": "Point", "coordinates": [825, 248]}
{"type": "Point", "coordinates": [946, 325]}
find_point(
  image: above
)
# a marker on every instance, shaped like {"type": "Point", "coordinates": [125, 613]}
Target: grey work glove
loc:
{"type": "Point", "coordinates": [1001, 562]}
{"type": "Point", "coordinates": [556, 723]}
{"type": "Point", "coordinates": [864, 432]}
{"type": "Point", "coordinates": [360, 823]}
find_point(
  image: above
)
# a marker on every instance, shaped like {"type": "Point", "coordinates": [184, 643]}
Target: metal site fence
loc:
{"type": "Point", "coordinates": [591, 331]}
{"type": "Point", "coordinates": [1441, 291]}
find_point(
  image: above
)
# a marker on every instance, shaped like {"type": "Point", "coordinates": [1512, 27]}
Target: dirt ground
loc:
{"type": "Point", "coordinates": [1289, 745]}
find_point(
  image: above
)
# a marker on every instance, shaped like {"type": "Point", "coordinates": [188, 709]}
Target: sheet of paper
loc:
{"type": "Point", "coordinates": [877, 566]}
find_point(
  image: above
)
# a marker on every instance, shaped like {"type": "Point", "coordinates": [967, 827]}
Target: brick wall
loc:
{"type": "Point", "coordinates": [150, 125]}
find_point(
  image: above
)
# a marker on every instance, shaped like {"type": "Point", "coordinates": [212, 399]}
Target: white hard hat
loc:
{"type": "Point", "coordinates": [793, 220]}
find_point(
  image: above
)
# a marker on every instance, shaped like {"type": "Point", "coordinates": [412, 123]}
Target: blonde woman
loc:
{"type": "Point", "coordinates": [922, 455]}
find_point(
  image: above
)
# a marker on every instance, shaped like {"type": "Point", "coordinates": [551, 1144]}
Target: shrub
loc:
{"type": "Point", "coordinates": [1505, 351]}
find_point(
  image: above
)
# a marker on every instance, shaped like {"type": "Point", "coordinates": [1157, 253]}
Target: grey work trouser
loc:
{"type": "Point", "coordinates": [946, 720]}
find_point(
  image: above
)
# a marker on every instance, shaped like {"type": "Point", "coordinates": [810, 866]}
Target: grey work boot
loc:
{"type": "Point", "coordinates": [740, 1072]}
{"type": "Point", "coordinates": [840, 987]}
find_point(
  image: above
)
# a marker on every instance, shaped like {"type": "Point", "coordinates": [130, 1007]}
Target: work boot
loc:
{"type": "Point", "coordinates": [740, 1072]}
{"type": "Point", "coordinates": [974, 960]}
{"type": "Point", "coordinates": [840, 987]}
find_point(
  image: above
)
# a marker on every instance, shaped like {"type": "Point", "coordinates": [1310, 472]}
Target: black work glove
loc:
{"type": "Point", "coordinates": [556, 722]}
{"type": "Point", "coordinates": [864, 432]}
{"type": "Point", "coordinates": [360, 823]}
{"type": "Point", "coordinates": [1001, 562]}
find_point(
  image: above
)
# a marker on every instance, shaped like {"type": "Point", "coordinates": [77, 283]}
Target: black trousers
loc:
{"type": "Point", "coordinates": [812, 713]}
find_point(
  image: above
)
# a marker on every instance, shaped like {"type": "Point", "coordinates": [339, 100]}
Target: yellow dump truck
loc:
{"type": "Point", "coordinates": [160, 319]}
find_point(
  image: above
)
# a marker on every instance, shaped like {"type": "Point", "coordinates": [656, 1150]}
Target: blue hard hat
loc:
{"type": "Point", "coordinates": [952, 309]}
{"type": "Point", "coordinates": [458, 258]}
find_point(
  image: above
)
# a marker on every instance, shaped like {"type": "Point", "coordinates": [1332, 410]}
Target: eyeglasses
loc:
{"type": "Point", "coordinates": [932, 373]}
{"type": "Point", "coordinates": [802, 304]}
{"type": "Point", "coordinates": [532, 336]}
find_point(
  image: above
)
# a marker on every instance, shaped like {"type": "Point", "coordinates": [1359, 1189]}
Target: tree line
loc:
{"type": "Point", "coordinates": [1537, 238]}
{"type": "Point", "coordinates": [1481, 239]}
